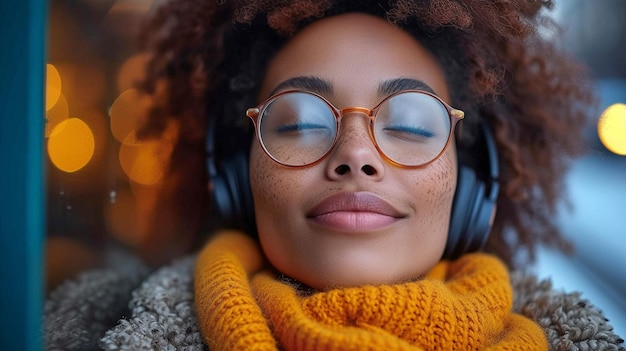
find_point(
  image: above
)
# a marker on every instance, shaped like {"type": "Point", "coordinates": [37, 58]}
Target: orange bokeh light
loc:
{"type": "Point", "coordinates": [144, 162]}
{"type": "Point", "coordinates": [71, 145]}
{"type": "Point", "coordinates": [125, 113]}
{"type": "Point", "coordinates": [53, 86]}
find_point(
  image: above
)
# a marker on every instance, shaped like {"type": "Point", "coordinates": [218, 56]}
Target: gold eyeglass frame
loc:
{"type": "Point", "coordinates": [254, 114]}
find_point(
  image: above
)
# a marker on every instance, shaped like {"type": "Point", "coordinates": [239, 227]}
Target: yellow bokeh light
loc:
{"type": "Point", "coordinates": [71, 145]}
{"type": "Point", "coordinates": [125, 113]}
{"type": "Point", "coordinates": [145, 162]}
{"type": "Point", "coordinates": [612, 128]}
{"type": "Point", "coordinates": [57, 114]}
{"type": "Point", "coordinates": [53, 86]}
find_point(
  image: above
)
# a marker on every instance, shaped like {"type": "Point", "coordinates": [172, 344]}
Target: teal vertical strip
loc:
{"type": "Point", "coordinates": [22, 74]}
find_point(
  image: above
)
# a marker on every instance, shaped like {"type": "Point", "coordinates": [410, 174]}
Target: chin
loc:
{"type": "Point", "coordinates": [357, 278]}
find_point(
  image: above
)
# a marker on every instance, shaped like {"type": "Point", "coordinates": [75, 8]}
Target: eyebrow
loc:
{"type": "Point", "coordinates": [322, 86]}
{"type": "Point", "coordinates": [314, 84]}
{"type": "Point", "coordinates": [391, 86]}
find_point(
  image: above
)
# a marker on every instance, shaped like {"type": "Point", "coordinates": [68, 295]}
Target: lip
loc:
{"type": "Point", "coordinates": [354, 212]}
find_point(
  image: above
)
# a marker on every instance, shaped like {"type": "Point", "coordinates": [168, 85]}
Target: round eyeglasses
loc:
{"type": "Point", "coordinates": [410, 128]}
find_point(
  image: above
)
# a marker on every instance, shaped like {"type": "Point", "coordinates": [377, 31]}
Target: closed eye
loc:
{"type": "Point", "coordinates": [410, 132]}
{"type": "Point", "coordinates": [295, 127]}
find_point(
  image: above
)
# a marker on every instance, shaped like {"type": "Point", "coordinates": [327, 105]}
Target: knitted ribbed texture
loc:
{"type": "Point", "coordinates": [228, 315]}
{"type": "Point", "coordinates": [470, 310]}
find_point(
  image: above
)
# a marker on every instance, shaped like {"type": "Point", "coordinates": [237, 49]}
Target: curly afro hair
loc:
{"type": "Point", "coordinates": [501, 64]}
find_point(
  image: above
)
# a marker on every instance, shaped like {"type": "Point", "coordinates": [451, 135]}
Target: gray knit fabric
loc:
{"type": "Point", "coordinates": [80, 311]}
{"type": "Point", "coordinates": [570, 322]}
{"type": "Point", "coordinates": [162, 315]}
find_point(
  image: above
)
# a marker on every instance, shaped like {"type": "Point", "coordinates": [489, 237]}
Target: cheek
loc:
{"type": "Point", "coordinates": [270, 184]}
{"type": "Point", "coordinates": [274, 191]}
{"type": "Point", "coordinates": [446, 180]}
{"type": "Point", "coordinates": [435, 191]}
{"type": "Point", "coordinates": [261, 181]}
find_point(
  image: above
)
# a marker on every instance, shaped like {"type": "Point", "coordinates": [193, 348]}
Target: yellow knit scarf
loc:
{"type": "Point", "coordinates": [461, 305]}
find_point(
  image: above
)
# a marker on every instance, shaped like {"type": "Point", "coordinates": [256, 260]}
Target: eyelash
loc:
{"type": "Point", "coordinates": [299, 126]}
{"type": "Point", "coordinates": [414, 131]}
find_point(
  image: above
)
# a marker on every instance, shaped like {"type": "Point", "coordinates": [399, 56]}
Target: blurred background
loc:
{"type": "Point", "coordinates": [595, 219]}
{"type": "Point", "coordinates": [100, 180]}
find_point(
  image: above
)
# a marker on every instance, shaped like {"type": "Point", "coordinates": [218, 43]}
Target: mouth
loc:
{"type": "Point", "coordinates": [354, 212]}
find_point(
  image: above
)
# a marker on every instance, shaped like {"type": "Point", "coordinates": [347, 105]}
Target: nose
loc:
{"type": "Point", "coordinates": [355, 154]}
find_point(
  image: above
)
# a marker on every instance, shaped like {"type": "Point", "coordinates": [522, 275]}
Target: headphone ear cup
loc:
{"type": "Point", "coordinates": [231, 181]}
{"type": "Point", "coordinates": [232, 194]}
{"type": "Point", "coordinates": [463, 206]}
{"type": "Point", "coordinates": [221, 197]}
{"type": "Point", "coordinates": [227, 169]}
{"type": "Point", "coordinates": [481, 222]}
{"type": "Point", "coordinates": [244, 206]}
{"type": "Point", "coordinates": [474, 204]}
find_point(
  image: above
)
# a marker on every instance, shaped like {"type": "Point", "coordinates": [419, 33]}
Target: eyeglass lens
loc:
{"type": "Point", "coordinates": [299, 128]}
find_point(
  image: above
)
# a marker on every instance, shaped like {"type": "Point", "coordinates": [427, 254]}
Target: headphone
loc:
{"type": "Point", "coordinates": [474, 204]}
{"type": "Point", "coordinates": [473, 207]}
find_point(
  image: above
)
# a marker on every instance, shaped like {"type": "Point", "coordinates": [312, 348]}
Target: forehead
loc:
{"type": "Point", "coordinates": [355, 53]}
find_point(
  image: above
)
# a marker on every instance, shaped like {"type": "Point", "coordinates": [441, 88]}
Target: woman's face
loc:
{"type": "Point", "coordinates": [382, 223]}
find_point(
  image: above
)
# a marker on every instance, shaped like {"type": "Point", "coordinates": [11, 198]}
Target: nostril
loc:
{"type": "Point", "coordinates": [342, 169]}
{"type": "Point", "coordinates": [369, 170]}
